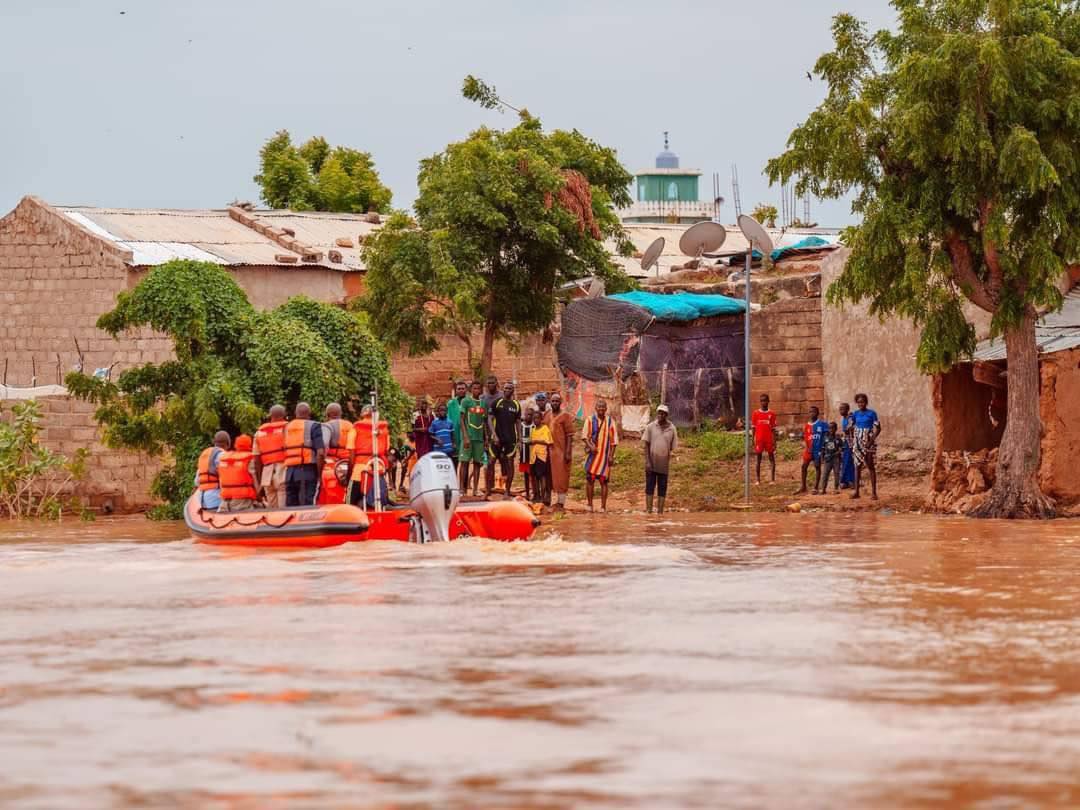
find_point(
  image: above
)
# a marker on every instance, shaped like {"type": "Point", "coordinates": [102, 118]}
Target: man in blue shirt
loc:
{"type": "Point", "coordinates": [442, 431]}
{"type": "Point", "coordinates": [211, 498]}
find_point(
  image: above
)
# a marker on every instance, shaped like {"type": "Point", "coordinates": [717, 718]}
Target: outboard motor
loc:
{"type": "Point", "coordinates": [434, 495]}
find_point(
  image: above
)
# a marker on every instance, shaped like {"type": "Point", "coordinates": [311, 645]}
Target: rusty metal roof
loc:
{"type": "Point", "coordinates": [1055, 332]}
{"type": "Point", "coordinates": [155, 236]}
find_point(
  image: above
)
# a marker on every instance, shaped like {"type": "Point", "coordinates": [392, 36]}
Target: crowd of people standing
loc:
{"type": "Point", "coordinates": [836, 451]}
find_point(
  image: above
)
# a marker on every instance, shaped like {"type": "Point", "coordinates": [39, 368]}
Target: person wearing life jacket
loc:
{"type": "Point", "coordinates": [336, 433]}
{"type": "Point", "coordinates": [268, 449]}
{"type": "Point", "coordinates": [368, 459]}
{"type": "Point", "coordinates": [236, 476]}
{"type": "Point", "coordinates": [304, 457]}
{"type": "Point", "coordinates": [206, 476]}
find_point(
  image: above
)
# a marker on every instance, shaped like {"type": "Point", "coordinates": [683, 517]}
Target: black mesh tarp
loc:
{"type": "Point", "coordinates": [600, 336]}
{"type": "Point", "coordinates": [699, 369]}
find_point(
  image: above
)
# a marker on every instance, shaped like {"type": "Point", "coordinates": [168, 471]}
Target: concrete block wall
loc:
{"type": "Point", "coordinates": [118, 478]}
{"type": "Point", "coordinates": [786, 355]}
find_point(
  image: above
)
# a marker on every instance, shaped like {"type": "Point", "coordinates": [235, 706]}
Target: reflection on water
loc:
{"type": "Point", "coordinates": [701, 661]}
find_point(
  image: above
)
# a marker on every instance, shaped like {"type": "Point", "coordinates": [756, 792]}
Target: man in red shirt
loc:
{"type": "Point", "coordinates": [764, 422]}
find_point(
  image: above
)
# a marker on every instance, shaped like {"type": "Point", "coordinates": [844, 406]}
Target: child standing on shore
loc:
{"type": "Point", "coordinates": [525, 451]}
{"type": "Point", "coordinates": [764, 422]}
{"type": "Point", "coordinates": [813, 434]}
{"type": "Point", "coordinates": [832, 454]}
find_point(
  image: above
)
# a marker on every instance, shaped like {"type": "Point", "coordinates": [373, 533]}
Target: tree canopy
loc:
{"type": "Point", "coordinates": [502, 218]}
{"type": "Point", "coordinates": [231, 364]}
{"type": "Point", "coordinates": [957, 135]}
{"type": "Point", "coordinates": [318, 177]}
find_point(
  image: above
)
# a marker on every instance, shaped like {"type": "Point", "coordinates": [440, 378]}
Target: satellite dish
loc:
{"type": "Point", "coordinates": [755, 234]}
{"type": "Point", "coordinates": [705, 237]}
{"type": "Point", "coordinates": [596, 288]}
{"type": "Point", "coordinates": [652, 254]}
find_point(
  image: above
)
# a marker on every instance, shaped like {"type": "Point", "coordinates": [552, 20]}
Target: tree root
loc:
{"type": "Point", "coordinates": [1011, 502]}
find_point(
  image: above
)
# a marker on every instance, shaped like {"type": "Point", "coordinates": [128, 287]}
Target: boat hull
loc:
{"type": "Point", "coordinates": [309, 527]}
{"type": "Point", "coordinates": [334, 524]}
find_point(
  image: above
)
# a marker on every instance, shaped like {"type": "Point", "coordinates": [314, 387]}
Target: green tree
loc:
{"type": "Point", "coordinates": [231, 364]}
{"type": "Point", "coordinates": [765, 214]}
{"type": "Point", "coordinates": [958, 137]}
{"type": "Point", "coordinates": [318, 177]}
{"type": "Point", "coordinates": [502, 219]}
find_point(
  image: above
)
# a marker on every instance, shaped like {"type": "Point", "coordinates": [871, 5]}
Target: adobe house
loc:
{"type": "Point", "coordinates": [61, 267]}
{"type": "Point", "coordinates": [970, 414]}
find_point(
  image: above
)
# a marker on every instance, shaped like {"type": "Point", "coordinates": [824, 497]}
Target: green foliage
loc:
{"type": "Point", "coordinates": [232, 364]}
{"type": "Point", "coordinates": [502, 219]}
{"type": "Point", "coordinates": [33, 478]}
{"type": "Point", "coordinates": [957, 137]}
{"type": "Point", "coordinates": [318, 177]}
{"type": "Point", "coordinates": [765, 214]}
{"type": "Point", "coordinates": [713, 446]}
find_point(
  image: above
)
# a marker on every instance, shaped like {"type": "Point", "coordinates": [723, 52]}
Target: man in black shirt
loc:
{"type": "Point", "coordinates": [505, 425]}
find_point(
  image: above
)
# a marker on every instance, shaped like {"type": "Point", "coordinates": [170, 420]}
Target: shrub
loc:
{"type": "Point", "coordinates": [33, 479]}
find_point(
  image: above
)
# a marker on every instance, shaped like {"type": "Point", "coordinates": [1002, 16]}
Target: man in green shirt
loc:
{"type": "Point", "coordinates": [474, 417]}
{"type": "Point", "coordinates": [455, 414]}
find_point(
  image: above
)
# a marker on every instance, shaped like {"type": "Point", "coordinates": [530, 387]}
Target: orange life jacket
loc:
{"type": "Point", "coordinates": [330, 489]}
{"type": "Point", "coordinates": [270, 440]}
{"type": "Point", "coordinates": [237, 482]}
{"type": "Point", "coordinates": [207, 480]}
{"type": "Point", "coordinates": [298, 447]}
{"type": "Point", "coordinates": [362, 445]}
{"type": "Point", "coordinates": [340, 430]}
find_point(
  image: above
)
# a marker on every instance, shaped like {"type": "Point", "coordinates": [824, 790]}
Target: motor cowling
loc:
{"type": "Point", "coordinates": [434, 495]}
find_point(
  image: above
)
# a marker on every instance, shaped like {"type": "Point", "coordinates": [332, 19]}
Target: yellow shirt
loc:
{"type": "Point", "coordinates": [540, 440]}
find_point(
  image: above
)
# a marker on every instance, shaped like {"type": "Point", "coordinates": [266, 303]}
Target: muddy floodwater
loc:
{"type": "Point", "coordinates": [697, 661]}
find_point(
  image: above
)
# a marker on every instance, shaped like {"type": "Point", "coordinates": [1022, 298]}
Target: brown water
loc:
{"type": "Point", "coordinates": [704, 661]}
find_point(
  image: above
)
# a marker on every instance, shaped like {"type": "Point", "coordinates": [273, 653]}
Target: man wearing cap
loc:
{"type": "Point", "coordinates": [659, 440]}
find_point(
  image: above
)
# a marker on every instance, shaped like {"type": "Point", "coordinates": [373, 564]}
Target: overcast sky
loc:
{"type": "Point", "coordinates": [148, 103]}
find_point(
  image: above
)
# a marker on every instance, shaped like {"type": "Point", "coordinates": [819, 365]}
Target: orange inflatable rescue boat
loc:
{"type": "Point", "coordinates": [433, 514]}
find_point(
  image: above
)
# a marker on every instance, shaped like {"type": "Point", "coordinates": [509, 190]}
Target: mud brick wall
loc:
{"type": "Point", "coordinates": [532, 366]}
{"type": "Point", "coordinates": [786, 358]}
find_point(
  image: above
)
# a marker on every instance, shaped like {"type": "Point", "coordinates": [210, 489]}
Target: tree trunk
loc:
{"type": "Point", "coordinates": [1016, 492]}
{"type": "Point", "coordinates": [488, 351]}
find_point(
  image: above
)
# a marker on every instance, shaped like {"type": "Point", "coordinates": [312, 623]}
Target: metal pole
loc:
{"type": "Point", "coordinates": [747, 374]}
{"type": "Point", "coordinates": [375, 458]}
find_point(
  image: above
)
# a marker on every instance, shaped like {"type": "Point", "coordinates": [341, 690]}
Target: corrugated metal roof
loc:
{"type": "Point", "coordinates": [1055, 332]}
{"type": "Point", "coordinates": [155, 236]}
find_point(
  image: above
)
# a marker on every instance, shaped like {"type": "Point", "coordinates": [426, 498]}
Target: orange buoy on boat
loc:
{"type": "Point", "coordinates": [306, 527]}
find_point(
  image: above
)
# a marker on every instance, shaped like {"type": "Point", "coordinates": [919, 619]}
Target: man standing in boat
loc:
{"type": "Point", "coordinates": [268, 448]}
{"type": "Point", "coordinates": [305, 454]}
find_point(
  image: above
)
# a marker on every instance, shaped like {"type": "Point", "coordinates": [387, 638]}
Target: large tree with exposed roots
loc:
{"type": "Point", "coordinates": [958, 135]}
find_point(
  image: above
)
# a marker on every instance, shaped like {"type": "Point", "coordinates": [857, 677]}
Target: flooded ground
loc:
{"type": "Point", "coordinates": [702, 661]}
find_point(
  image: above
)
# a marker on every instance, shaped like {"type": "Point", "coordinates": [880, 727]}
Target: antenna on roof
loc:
{"type": "Point", "coordinates": [735, 190]}
{"type": "Point", "coordinates": [596, 288]}
{"type": "Point", "coordinates": [652, 254]}
{"type": "Point", "coordinates": [702, 238]}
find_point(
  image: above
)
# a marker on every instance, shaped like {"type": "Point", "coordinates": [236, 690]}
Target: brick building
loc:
{"type": "Point", "coordinates": [61, 267]}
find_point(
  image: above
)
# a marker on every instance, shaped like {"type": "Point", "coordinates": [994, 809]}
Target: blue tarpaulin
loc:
{"type": "Point", "coordinates": [809, 243]}
{"type": "Point", "coordinates": [682, 306]}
